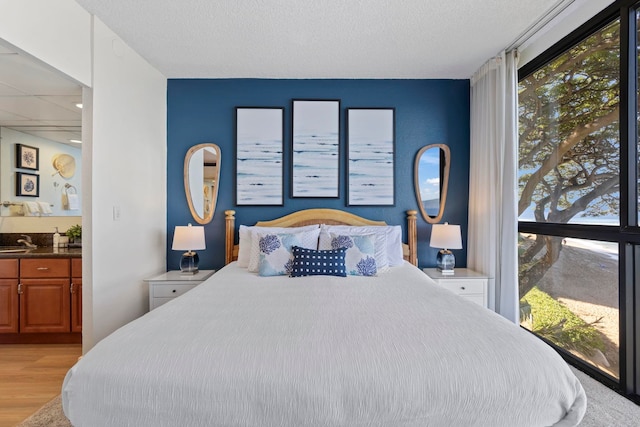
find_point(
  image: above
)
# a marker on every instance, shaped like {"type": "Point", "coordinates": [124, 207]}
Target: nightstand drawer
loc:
{"type": "Point", "coordinates": [466, 283]}
{"type": "Point", "coordinates": [170, 291]}
{"type": "Point", "coordinates": [463, 287]}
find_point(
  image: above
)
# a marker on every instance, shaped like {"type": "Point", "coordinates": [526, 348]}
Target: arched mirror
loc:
{"type": "Point", "coordinates": [201, 176]}
{"type": "Point", "coordinates": [431, 180]}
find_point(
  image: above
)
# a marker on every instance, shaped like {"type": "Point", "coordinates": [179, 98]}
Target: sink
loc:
{"type": "Point", "coordinates": [13, 249]}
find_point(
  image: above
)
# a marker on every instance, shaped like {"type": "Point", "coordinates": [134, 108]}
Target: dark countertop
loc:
{"type": "Point", "coordinates": [45, 252]}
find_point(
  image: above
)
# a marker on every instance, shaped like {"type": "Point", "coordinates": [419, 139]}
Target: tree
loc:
{"type": "Point", "coordinates": [569, 158]}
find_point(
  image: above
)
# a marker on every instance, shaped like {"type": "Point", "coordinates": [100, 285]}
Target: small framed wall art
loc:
{"type": "Point", "coordinates": [315, 162]}
{"type": "Point", "coordinates": [371, 156]}
{"type": "Point", "coordinates": [27, 157]}
{"type": "Point", "coordinates": [259, 156]}
{"type": "Point", "coordinates": [27, 184]}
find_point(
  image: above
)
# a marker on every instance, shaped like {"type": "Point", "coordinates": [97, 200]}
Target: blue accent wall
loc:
{"type": "Point", "coordinates": [426, 112]}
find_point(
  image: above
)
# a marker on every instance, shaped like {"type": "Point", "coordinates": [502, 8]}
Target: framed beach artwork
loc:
{"type": "Point", "coordinates": [370, 156]}
{"type": "Point", "coordinates": [27, 184]}
{"type": "Point", "coordinates": [315, 158]}
{"type": "Point", "coordinates": [27, 157]}
{"type": "Point", "coordinates": [259, 156]}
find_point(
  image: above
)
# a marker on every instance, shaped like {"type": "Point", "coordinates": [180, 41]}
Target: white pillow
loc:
{"type": "Point", "coordinates": [395, 253]}
{"type": "Point", "coordinates": [379, 232]}
{"type": "Point", "coordinates": [245, 241]}
{"type": "Point", "coordinates": [305, 239]}
{"type": "Point", "coordinates": [360, 255]}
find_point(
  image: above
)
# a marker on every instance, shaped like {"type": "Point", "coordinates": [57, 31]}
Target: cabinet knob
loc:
{"type": "Point", "coordinates": [463, 288]}
{"type": "Point", "coordinates": [19, 288]}
{"type": "Point", "coordinates": [174, 291]}
{"type": "Point", "coordinates": [42, 268]}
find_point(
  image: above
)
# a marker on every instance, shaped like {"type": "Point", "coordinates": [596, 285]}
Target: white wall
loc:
{"type": "Point", "coordinates": [56, 32]}
{"type": "Point", "coordinates": [124, 153]}
{"type": "Point", "coordinates": [128, 175]}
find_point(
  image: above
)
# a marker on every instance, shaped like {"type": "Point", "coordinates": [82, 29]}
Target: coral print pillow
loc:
{"type": "Point", "coordinates": [275, 251]}
{"type": "Point", "coordinates": [360, 256]}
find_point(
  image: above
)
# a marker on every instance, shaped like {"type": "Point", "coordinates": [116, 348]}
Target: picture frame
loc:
{"type": "Point", "coordinates": [315, 148]}
{"type": "Point", "coordinates": [259, 156]}
{"type": "Point", "coordinates": [27, 157]}
{"type": "Point", "coordinates": [27, 184]}
{"type": "Point", "coordinates": [371, 157]}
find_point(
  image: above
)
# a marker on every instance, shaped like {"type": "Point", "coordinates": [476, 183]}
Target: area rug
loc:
{"type": "Point", "coordinates": [50, 415]}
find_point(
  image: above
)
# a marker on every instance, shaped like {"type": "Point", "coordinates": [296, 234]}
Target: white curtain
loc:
{"type": "Point", "coordinates": [493, 214]}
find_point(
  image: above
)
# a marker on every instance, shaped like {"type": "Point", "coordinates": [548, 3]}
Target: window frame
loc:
{"type": "Point", "coordinates": [627, 234]}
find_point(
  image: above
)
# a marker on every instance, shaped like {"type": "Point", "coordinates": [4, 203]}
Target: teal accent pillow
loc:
{"type": "Point", "coordinates": [275, 257]}
{"type": "Point", "coordinates": [360, 256]}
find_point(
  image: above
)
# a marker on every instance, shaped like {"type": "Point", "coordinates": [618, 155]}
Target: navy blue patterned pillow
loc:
{"type": "Point", "coordinates": [310, 262]}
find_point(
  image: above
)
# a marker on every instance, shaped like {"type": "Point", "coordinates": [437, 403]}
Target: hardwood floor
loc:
{"type": "Point", "coordinates": [30, 376]}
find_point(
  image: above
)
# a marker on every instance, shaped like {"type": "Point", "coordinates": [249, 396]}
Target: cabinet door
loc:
{"type": "Point", "coordinates": [8, 305]}
{"type": "Point", "coordinates": [76, 304]}
{"type": "Point", "coordinates": [45, 305]}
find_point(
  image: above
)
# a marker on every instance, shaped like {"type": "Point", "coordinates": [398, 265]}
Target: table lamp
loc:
{"type": "Point", "coordinates": [445, 236]}
{"type": "Point", "coordinates": [188, 238]}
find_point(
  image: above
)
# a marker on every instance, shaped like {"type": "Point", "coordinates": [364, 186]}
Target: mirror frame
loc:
{"type": "Point", "coordinates": [444, 174]}
{"type": "Point", "coordinates": [214, 197]}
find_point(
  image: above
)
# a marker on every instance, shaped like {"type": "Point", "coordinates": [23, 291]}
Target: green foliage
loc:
{"type": "Point", "coordinates": [569, 148]}
{"type": "Point", "coordinates": [569, 156]}
{"type": "Point", "coordinates": [555, 322]}
{"type": "Point", "coordinates": [74, 232]}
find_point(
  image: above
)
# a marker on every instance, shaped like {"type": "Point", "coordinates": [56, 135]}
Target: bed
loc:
{"type": "Point", "coordinates": [392, 349]}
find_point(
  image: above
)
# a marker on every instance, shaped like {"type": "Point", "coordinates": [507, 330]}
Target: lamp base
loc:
{"type": "Point", "coordinates": [189, 263]}
{"type": "Point", "coordinates": [445, 261]}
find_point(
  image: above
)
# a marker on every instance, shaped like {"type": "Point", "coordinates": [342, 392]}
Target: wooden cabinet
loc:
{"type": "Point", "coordinates": [8, 295]}
{"type": "Point", "coordinates": [76, 295]}
{"type": "Point", "coordinates": [45, 301]}
{"type": "Point", "coordinates": [40, 300]}
{"type": "Point", "coordinates": [44, 305]}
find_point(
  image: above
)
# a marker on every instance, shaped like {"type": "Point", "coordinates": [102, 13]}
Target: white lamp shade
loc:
{"type": "Point", "coordinates": [188, 237]}
{"type": "Point", "coordinates": [446, 236]}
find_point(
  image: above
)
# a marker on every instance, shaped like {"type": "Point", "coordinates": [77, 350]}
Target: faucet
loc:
{"type": "Point", "coordinates": [27, 242]}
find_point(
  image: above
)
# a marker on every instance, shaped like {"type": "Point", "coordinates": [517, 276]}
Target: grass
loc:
{"type": "Point", "coordinates": [555, 322]}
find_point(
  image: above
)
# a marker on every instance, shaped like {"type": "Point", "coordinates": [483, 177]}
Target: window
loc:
{"type": "Point", "coordinates": [579, 196]}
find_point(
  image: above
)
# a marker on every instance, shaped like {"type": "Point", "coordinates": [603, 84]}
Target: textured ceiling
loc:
{"type": "Point", "coordinates": [318, 38]}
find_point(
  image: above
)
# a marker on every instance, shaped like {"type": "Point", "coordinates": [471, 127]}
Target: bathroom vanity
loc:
{"type": "Point", "coordinates": [41, 296]}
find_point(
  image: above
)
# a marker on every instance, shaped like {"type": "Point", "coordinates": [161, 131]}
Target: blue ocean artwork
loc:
{"type": "Point", "coordinates": [259, 154]}
{"type": "Point", "coordinates": [371, 157]}
{"type": "Point", "coordinates": [316, 149]}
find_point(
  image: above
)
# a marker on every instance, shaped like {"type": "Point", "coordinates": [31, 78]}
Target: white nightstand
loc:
{"type": "Point", "coordinates": [466, 283]}
{"type": "Point", "coordinates": [172, 284]}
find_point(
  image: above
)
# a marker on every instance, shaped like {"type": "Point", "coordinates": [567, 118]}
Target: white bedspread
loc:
{"type": "Point", "coordinates": [395, 350]}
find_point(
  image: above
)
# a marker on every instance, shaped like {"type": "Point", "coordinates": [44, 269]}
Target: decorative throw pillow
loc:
{"type": "Point", "coordinates": [245, 241]}
{"type": "Point", "coordinates": [309, 238]}
{"type": "Point", "coordinates": [389, 250]}
{"type": "Point", "coordinates": [275, 251]}
{"type": "Point", "coordinates": [310, 262]}
{"type": "Point", "coordinates": [360, 256]}
{"type": "Point", "coordinates": [379, 233]}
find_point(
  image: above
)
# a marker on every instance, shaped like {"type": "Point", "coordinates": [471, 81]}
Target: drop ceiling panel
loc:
{"type": "Point", "coordinates": [35, 108]}
{"type": "Point", "coordinates": [27, 76]}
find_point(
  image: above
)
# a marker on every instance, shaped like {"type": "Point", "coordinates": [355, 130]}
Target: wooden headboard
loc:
{"type": "Point", "coordinates": [320, 216]}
